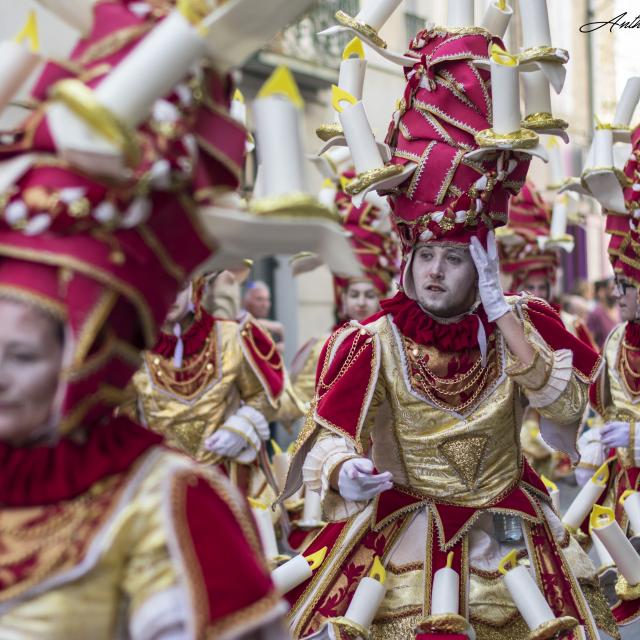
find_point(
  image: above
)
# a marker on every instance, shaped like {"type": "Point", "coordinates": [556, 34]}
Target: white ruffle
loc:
{"type": "Point", "coordinates": [326, 454]}
{"type": "Point", "coordinates": [559, 376]}
{"type": "Point", "coordinates": [256, 419]}
{"type": "Point", "coordinates": [592, 455]}
{"type": "Point", "coordinates": [634, 450]}
{"type": "Point", "coordinates": [162, 617]}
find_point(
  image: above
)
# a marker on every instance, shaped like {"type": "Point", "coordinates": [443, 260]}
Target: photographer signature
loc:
{"type": "Point", "coordinates": [618, 21]}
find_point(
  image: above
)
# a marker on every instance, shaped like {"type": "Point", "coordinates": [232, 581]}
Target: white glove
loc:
{"type": "Point", "coordinates": [615, 434]}
{"type": "Point", "coordinates": [489, 286]}
{"type": "Point", "coordinates": [225, 443]}
{"type": "Point", "coordinates": [357, 482]}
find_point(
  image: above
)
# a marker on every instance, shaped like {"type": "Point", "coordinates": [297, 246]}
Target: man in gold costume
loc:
{"type": "Point", "coordinates": [413, 437]}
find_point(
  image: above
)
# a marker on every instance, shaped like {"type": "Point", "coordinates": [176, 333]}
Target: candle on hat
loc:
{"type": "Point", "coordinates": [552, 488]}
{"type": "Point", "coordinates": [460, 13]}
{"type": "Point", "coordinates": [327, 194]}
{"type": "Point", "coordinates": [604, 557]}
{"type": "Point", "coordinates": [582, 504]}
{"type": "Point", "coordinates": [295, 571]}
{"type": "Point", "coordinates": [280, 464]}
{"type": "Point", "coordinates": [129, 91]}
{"type": "Point", "coordinates": [535, 20]}
{"type": "Point", "coordinates": [368, 596]}
{"type": "Point", "coordinates": [505, 91]}
{"type": "Point", "coordinates": [537, 93]}
{"type": "Point", "coordinates": [605, 527]}
{"type": "Point", "coordinates": [525, 592]}
{"type": "Point", "coordinates": [312, 511]}
{"type": "Point", "coordinates": [497, 17]}
{"type": "Point", "coordinates": [559, 217]}
{"type": "Point", "coordinates": [357, 130]}
{"type": "Point", "coordinates": [445, 592]}
{"type": "Point", "coordinates": [352, 69]}
{"type": "Point", "coordinates": [556, 166]}
{"type": "Point", "coordinates": [238, 108]}
{"type": "Point", "coordinates": [276, 113]}
{"type": "Point", "coordinates": [262, 516]}
{"type": "Point", "coordinates": [628, 102]}
{"type": "Point", "coordinates": [18, 58]}
{"type": "Point", "coordinates": [603, 146]}
{"type": "Point", "coordinates": [76, 13]}
{"type": "Point", "coordinates": [630, 500]}
{"type": "Point", "coordinates": [376, 12]}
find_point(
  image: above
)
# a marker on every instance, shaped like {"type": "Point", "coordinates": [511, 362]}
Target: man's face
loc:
{"type": "Point", "coordinates": [257, 302]}
{"type": "Point", "coordinates": [445, 278]}
{"type": "Point", "coordinates": [627, 297]}
{"type": "Point", "coordinates": [360, 301]}
{"type": "Point", "coordinates": [537, 285]}
{"type": "Point", "coordinates": [610, 294]}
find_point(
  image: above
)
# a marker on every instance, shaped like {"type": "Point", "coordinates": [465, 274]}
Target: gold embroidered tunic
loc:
{"type": "Point", "coordinates": [186, 417]}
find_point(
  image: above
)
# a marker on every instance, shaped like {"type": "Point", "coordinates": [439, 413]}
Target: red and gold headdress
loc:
{"type": "Point", "coordinates": [522, 241]}
{"type": "Point", "coordinates": [446, 103]}
{"type": "Point", "coordinates": [107, 257]}
{"type": "Point", "coordinates": [372, 239]}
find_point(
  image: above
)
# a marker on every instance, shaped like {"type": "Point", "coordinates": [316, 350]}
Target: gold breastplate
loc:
{"type": "Point", "coordinates": [468, 458]}
{"type": "Point", "coordinates": [186, 418]}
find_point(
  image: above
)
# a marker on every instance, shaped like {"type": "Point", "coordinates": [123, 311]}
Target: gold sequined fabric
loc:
{"type": "Point", "coordinates": [600, 609]}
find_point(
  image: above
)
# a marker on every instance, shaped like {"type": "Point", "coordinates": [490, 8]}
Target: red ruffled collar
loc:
{"type": "Point", "coordinates": [193, 338]}
{"type": "Point", "coordinates": [632, 334]}
{"type": "Point", "coordinates": [420, 327]}
{"type": "Point", "coordinates": [35, 476]}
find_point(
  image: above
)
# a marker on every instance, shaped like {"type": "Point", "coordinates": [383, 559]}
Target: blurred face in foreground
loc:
{"type": "Point", "coordinates": [360, 300]}
{"type": "Point", "coordinates": [537, 285]}
{"type": "Point", "coordinates": [30, 362]}
{"type": "Point", "coordinates": [627, 296]}
{"type": "Point", "coordinates": [444, 277]}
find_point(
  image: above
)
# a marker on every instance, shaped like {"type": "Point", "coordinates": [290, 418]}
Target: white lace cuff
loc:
{"type": "Point", "coordinates": [591, 450]}
{"type": "Point", "coordinates": [321, 461]}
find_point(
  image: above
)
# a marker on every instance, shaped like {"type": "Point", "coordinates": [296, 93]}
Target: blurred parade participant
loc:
{"type": "Point", "coordinates": [210, 387]}
{"type": "Point", "coordinates": [615, 395]}
{"type": "Point", "coordinates": [412, 441]}
{"type": "Point", "coordinates": [604, 316]}
{"type": "Point", "coordinates": [257, 302]}
{"type": "Point", "coordinates": [106, 532]}
{"type": "Point", "coordinates": [532, 266]}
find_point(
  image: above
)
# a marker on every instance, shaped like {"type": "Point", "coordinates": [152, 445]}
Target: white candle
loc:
{"type": "Point", "coordinates": [327, 194]}
{"type": "Point", "coordinates": [604, 557]}
{"type": "Point", "coordinates": [535, 23]}
{"type": "Point", "coordinates": [312, 512]}
{"type": "Point", "coordinates": [280, 464]}
{"type": "Point", "coordinates": [130, 90]}
{"type": "Point", "coordinates": [266, 531]}
{"type": "Point", "coordinates": [552, 487]}
{"type": "Point", "coordinates": [376, 12]}
{"type": "Point", "coordinates": [556, 165]}
{"type": "Point", "coordinates": [76, 13]}
{"type": "Point", "coordinates": [295, 571]}
{"type": "Point", "coordinates": [445, 593]}
{"type": "Point", "coordinates": [537, 93]}
{"type": "Point", "coordinates": [603, 148]}
{"type": "Point", "coordinates": [628, 102]}
{"type": "Point", "coordinates": [559, 216]}
{"type": "Point", "coordinates": [18, 59]}
{"type": "Point", "coordinates": [368, 596]}
{"type": "Point", "coordinates": [279, 145]}
{"type": "Point", "coordinates": [505, 92]}
{"type": "Point", "coordinates": [525, 592]}
{"type": "Point", "coordinates": [496, 20]}
{"type": "Point", "coordinates": [351, 77]}
{"type": "Point", "coordinates": [626, 558]}
{"type": "Point", "coordinates": [630, 500]}
{"type": "Point", "coordinates": [582, 504]}
{"type": "Point", "coordinates": [460, 13]}
{"type": "Point", "coordinates": [360, 139]}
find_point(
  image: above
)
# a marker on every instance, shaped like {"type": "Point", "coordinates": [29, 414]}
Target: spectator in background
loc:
{"type": "Point", "coordinates": [257, 301]}
{"type": "Point", "coordinates": [604, 316]}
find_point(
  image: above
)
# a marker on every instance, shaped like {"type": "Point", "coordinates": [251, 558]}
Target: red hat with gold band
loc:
{"type": "Point", "coordinates": [372, 239]}
{"type": "Point", "coordinates": [521, 242]}
{"type": "Point", "coordinates": [106, 257]}
{"type": "Point", "coordinates": [446, 103]}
